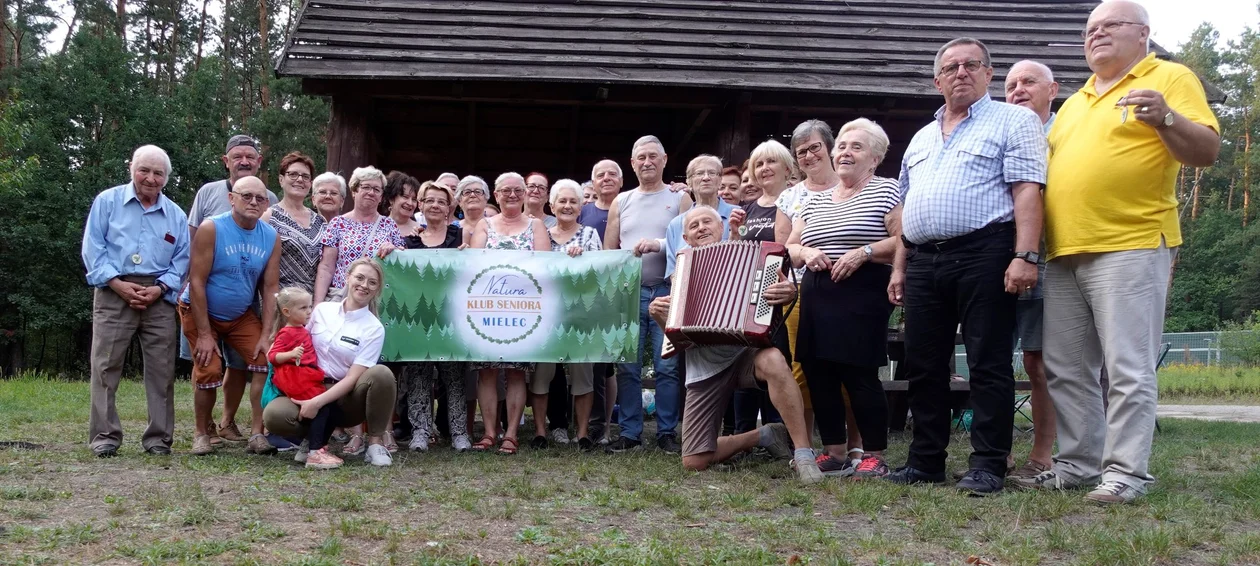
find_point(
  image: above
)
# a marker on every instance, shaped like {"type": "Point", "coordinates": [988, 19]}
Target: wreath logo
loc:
{"type": "Point", "coordinates": [505, 304]}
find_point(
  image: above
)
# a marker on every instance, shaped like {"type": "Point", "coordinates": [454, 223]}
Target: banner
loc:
{"type": "Point", "coordinates": [516, 306]}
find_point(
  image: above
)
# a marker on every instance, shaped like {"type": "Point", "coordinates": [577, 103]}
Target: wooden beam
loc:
{"type": "Point", "coordinates": [691, 132]}
{"type": "Point", "coordinates": [734, 140]}
{"type": "Point", "coordinates": [350, 142]}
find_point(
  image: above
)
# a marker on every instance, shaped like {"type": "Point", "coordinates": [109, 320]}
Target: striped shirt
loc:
{"type": "Point", "coordinates": [300, 248]}
{"type": "Point", "coordinates": [835, 228]}
{"type": "Point", "coordinates": [956, 186]}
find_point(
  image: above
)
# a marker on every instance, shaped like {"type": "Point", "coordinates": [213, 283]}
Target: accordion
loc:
{"type": "Point", "coordinates": [718, 295]}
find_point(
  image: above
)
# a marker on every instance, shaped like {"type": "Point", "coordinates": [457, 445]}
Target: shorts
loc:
{"type": "Point", "coordinates": [241, 334]}
{"type": "Point", "coordinates": [234, 360]}
{"type": "Point", "coordinates": [707, 401]}
{"type": "Point", "coordinates": [1028, 318]}
{"type": "Point", "coordinates": [581, 378]}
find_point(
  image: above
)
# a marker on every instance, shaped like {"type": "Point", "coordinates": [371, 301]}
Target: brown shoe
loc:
{"type": "Point", "coordinates": [201, 445]}
{"type": "Point", "coordinates": [1029, 470]}
{"type": "Point", "coordinates": [213, 432]}
{"type": "Point", "coordinates": [231, 433]}
{"type": "Point", "coordinates": [258, 445]}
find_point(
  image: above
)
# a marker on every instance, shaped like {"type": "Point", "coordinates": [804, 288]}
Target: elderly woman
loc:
{"type": "Point", "coordinates": [536, 198]}
{"type": "Point", "coordinates": [399, 201]}
{"type": "Point", "coordinates": [349, 338]}
{"type": "Point", "coordinates": [362, 232]}
{"type": "Point", "coordinates": [300, 229]}
{"type": "Point", "coordinates": [572, 238]}
{"type": "Point", "coordinates": [729, 191]}
{"type": "Point", "coordinates": [436, 202]}
{"type": "Point", "coordinates": [328, 194]}
{"type": "Point", "coordinates": [511, 230]}
{"type": "Point", "coordinates": [845, 238]}
{"type": "Point", "coordinates": [772, 166]}
{"type": "Point", "coordinates": [473, 196]}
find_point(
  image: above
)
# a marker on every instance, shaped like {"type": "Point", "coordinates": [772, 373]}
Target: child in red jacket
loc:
{"type": "Point", "coordinates": [298, 377]}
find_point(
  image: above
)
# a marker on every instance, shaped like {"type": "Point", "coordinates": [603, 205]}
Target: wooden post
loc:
{"type": "Point", "coordinates": [350, 142]}
{"type": "Point", "coordinates": [734, 139]}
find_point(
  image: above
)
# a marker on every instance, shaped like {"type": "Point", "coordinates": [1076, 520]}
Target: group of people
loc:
{"type": "Point", "coordinates": [1009, 224]}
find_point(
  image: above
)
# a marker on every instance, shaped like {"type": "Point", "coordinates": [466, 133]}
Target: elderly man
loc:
{"type": "Point", "coordinates": [715, 372]}
{"type": "Point", "coordinates": [971, 182]}
{"type": "Point", "coordinates": [1111, 234]}
{"type": "Point", "coordinates": [643, 214]}
{"type": "Point", "coordinates": [704, 175]}
{"type": "Point", "coordinates": [135, 248]}
{"type": "Point", "coordinates": [606, 178]}
{"type": "Point", "coordinates": [1031, 84]}
{"type": "Point", "coordinates": [232, 254]}
{"type": "Point", "coordinates": [242, 158]}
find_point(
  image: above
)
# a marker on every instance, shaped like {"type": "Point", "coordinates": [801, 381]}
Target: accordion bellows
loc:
{"type": "Point", "coordinates": [718, 295]}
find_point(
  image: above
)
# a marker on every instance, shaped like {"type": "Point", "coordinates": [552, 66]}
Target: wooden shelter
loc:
{"type": "Point", "coordinates": [483, 87]}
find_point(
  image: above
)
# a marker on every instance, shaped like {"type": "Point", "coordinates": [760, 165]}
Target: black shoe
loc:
{"type": "Point", "coordinates": [585, 444]}
{"type": "Point", "coordinates": [158, 450]}
{"type": "Point", "coordinates": [910, 476]}
{"type": "Point", "coordinates": [595, 431]}
{"type": "Point", "coordinates": [539, 442]}
{"type": "Point", "coordinates": [105, 451]}
{"type": "Point", "coordinates": [623, 444]}
{"type": "Point", "coordinates": [980, 483]}
{"type": "Point", "coordinates": [669, 444]}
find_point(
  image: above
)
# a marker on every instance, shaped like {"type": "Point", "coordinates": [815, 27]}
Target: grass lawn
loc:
{"type": "Point", "coordinates": [62, 505]}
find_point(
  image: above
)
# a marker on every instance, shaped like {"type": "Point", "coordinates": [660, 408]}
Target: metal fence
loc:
{"type": "Point", "coordinates": [1199, 348]}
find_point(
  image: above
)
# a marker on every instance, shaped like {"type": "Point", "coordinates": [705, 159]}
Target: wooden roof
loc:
{"type": "Point", "coordinates": [879, 47]}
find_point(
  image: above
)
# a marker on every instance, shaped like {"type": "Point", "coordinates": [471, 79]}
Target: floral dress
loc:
{"type": "Point", "coordinates": [354, 239]}
{"type": "Point", "coordinates": [496, 241]}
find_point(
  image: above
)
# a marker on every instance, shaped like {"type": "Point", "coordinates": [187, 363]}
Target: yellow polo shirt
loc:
{"type": "Point", "coordinates": [1111, 186]}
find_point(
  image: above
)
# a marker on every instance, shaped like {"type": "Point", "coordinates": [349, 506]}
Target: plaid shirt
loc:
{"type": "Point", "coordinates": [957, 186]}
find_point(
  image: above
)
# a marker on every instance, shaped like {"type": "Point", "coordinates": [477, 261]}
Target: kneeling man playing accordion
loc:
{"type": "Point", "coordinates": [714, 372]}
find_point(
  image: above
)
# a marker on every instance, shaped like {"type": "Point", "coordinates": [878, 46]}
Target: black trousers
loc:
{"type": "Point", "coordinates": [320, 428]}
{"type": "Point", "coordinates": [964, 284]}
{"type": "Point", "coordinates": [558, 400]}
{"type": "Point", "coordinates": [866, 394]}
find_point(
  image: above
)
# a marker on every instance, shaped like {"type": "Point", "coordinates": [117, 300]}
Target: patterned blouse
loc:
{"type": "Point", "coordinates": [354, 240]}
{"type": "Point", "coordinates": [300, 248]}
{"type": "Point", "coordinates": [586, 238]}
{"type": "Point", "coordinates": [523, 241]}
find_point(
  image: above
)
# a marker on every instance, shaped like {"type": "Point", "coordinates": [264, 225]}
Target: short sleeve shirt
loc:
{"type": "Point", "coordinates": [212, 199]}
{"type": "Point", "coordinates": [835, 228]}
{"type": "Point", "coordinates": [354, 239]}
{"type": "Point", "coordinates": [343, 339]}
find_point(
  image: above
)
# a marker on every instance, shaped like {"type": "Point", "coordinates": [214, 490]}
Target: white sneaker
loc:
{"type": "Point", "coordinates": [461, 443]}
{"type": "Point", "coordinates": [1111, 492]}
{"type": "Point", "coordinates": [419, 443]}
{"type": "Point", "coordinates": [377, 455]}
{"type": "Point", "coordinates": [560, 436]}
{"type": "Point", "coordinates": [301, 453]}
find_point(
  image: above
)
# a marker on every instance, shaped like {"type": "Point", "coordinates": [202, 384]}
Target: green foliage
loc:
{"type": "Point", "coordinates": [1241, 341]}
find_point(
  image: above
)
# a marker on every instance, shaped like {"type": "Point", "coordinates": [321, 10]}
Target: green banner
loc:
{"type": "Point", "coordinates": [498, 305]}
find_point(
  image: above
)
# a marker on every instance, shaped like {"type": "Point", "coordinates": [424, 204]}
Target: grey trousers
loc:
{"type": "Point", "coordinates": [1105, 310]}
{"type": "Point", "coordinates": [113, 326]}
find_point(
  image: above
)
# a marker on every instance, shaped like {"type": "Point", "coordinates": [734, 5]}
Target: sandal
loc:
{"type": "Point", "coordinates": [505, 449]}
{"type": "Point", "coordinates": [486, 443]}
{"type": "Point", "coordinates": [355, 446]}
{"type": "Point", "coordinates": [387, 439]}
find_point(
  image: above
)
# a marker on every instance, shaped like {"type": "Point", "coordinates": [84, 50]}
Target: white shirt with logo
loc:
{"type": "Point", "coordinates": [343, 339]}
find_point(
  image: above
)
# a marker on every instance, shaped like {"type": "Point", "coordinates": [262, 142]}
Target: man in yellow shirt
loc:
{"type": "Point", "coordinates": [1111, 234]}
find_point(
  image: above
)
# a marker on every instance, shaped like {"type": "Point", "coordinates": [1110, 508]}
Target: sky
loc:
{"type": "Point", "coordinates": [1173, 20]}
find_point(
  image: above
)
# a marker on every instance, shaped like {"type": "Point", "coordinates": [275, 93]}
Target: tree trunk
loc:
{"type": "Point", "coordinates": [1246, 184]}
{"type": "Point", "coordinates": [4, 18]}
{"type": "Point", "coordinates": [1194, 194]}
{"type": "Point", "coordinates": [201, 34]}
{"type": "Point", "coordinates": [264, 54]}
{"type": "Point", "coordinates": [122, 20]}
{"type": "Point", "coordinates": [74, 19]}
{"type": "Point", "coordinates": [1229, 201]}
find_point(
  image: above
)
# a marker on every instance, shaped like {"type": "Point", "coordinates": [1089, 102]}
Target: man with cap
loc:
{"type": "Point", "coordinates": [243, 158]}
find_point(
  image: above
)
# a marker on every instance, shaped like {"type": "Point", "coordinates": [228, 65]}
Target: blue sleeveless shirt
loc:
{"type": "Point", "coordinates": [240, 256]}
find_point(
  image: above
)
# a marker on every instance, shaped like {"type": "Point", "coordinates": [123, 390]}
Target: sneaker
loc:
{"type": "Point", "coordinates": [871, 466]}
{"type": "Point", "coordinates": [807, 470]}
{"type": "Point", "coordinates": [231, 433]}
{"type": "Point", "coordinates": [1030, 469]}
{"type": "Point", "coordinates": [202, 445]}
{"type": "Point", "coordinates": [157, 450]}
{"type": "Point", "coordinates": [560, 436]}
{"type": "Point", "coordinates": [461, 443]}
{"type": "Point", "coordinates": [377, 455]}
{"type": "Point", "coordinates": [302, 452]}
{"type": "Point", "coordinates": [979, 483]}
{"type": "Point", "coordinates": [669, 444]}
{"type": "Point", "coordinates": [907, 475]}
{"type": "Point", "coordinates": [834, 468]}
{"type": "Point", "coordinates": [781, 447]}
{"type": "Point", "coordinates": [105, 450]}
{"type": "Point", "coordinates": [623, 444]}
{"type": "Point", "coordinates": [387, 439]}
{"type": "Point", "coordinates": [585, 444]}
{"type": "Point", "coordinates": [322, 459]}
{"type": "Point", "coordinates": [1045, 480]}
{"type": "Point", "coordinates": [595, 431]}
{"type": "Point", "coordinates": [1111, 492]}
{"type": "Point", "coordinates": [213, 432]}
{"type": "Point", "coordinates": [281, 443]}
{"type": "Point", "coordinates": [538, 443]}
{"type": "Point", "coordinates": [354, 446]}
{"type": "Point", "coordinates": [258, 445]}
{"type": "Point", "coordinates": [419, 443]}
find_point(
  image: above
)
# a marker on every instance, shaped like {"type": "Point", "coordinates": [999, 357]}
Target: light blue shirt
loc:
{"type": "Point", "coordinates": [674, 234]}
{"type": "Point", "coordinates": [957, 186]}
{"type": "Point", "coordinates": [120, 230]}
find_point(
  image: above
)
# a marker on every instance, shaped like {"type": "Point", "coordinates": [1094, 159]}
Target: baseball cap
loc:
{"type": "Point", "coordinates": [242, 140]}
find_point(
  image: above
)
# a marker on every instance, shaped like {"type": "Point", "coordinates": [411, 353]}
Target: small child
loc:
{"type": "Point", "coordinates": [298, 377]}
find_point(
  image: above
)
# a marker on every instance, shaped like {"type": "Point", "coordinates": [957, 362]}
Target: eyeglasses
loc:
{"type": "Point", "coordinates": [328, 193]}
{"type": "Point", "coordinates": [370, 189]}
{"type": "Point", "coordinates": [295, 176]}
{"type": "Point", "coordinates": [971, 67]}
{"type": "Point", "coordinates": [252, 199]}
{"type": "Point", "coordinates": [472, 192]}
{"type": "Point", "coordinates": [516, 191]}
{"type": "Point", "coordinates": [430, 201]}
{"type": "Point", "coordinates": [1107, 27]}
{"type": "Point", "coordinates": [536, 186]}
{"type": "Point", "coordinates": [814, 148]}
{"type": "Point", "coordinates": [705, 173]}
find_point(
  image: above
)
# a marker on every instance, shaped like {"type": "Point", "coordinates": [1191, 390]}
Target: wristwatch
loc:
{"type": "Point", "coordinates": [869, 251]}
{"type": "Point", "coordinates": [1168, 119]}
{"type": "Point", "coordinates": [163, 287]}
{"type": "Point", "coordinates": [1030, 257]}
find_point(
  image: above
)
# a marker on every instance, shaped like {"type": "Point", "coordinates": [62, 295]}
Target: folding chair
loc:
{"type": "Point", "coordinates": [1163, 352]}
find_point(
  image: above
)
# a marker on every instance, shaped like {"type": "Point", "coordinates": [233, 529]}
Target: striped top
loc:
{"type": "Point", "coordinates": [300, 248]}
{"type": "Point", "coordinates": [835, 228]}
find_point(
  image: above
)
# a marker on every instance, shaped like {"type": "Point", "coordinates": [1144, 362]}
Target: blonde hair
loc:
{"type": "Point", "coordinates": [366, 174]}
{"type": "Point", "coordinates": [773, 150]}
{"type": "Point", "coordinates": [288, 297]}
{"type": "Point", "coordinates": [380, 274]}
{"type": "Point", "coordinates": [878, 139]}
